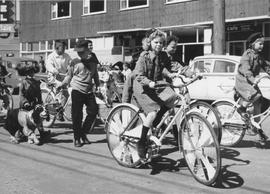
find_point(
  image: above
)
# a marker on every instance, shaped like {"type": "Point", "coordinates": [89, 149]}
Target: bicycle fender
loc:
{"type": "Point", "coordinates": [131, 106]}
{"type": "Point", "coordinates": [224, 99]}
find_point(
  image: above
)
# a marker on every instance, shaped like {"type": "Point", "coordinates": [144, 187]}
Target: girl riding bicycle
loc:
{"type": "Point", "coordinates": [250, 65]}
{"type": "Point", "coordinates": [151, 68]}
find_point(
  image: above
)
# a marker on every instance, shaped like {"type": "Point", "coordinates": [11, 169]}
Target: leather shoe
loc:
{"type": "Point", "coordinates": [77, 143]}
{"type": "Point", "coordinates": [85, 140]}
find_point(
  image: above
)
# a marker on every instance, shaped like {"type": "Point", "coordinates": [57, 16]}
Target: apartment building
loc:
{"type": "Point", "coordinates": [116, 27]}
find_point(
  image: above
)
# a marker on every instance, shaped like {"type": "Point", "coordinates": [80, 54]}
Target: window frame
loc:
{"type": "Point", "coordinates": [176, 1]}
{"type": "Point", "coordinates": [134, 7]}
{"type": "Point", "coordinates": [86, 4]}
{"type": "Point", "coordinates": [56, 11]}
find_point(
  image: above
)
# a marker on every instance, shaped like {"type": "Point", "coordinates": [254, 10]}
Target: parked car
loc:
{"type": "Point", "coordinates": [218, 81]}
{"type": "Point", "coordinates": [11, 63]}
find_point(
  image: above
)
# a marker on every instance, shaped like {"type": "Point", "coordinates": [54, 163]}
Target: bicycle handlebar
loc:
{"type": "Point", "coordinates": [259, 79]}
{"type": "Point", "coordinates": [185, 84]}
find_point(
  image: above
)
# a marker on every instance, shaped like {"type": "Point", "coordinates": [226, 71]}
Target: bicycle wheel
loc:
{"type": "Point", "coordinates": [48, 97]}
{"type": "Point", "coordinates": [211, 114]}
{"type": "Point", "coordinates": [233, 127]}
{"type": "Point", "coordinates": [200, 148]}
{"type": "Point", "coordinates": [67, 110]}
{"type": "Point", "coordinates": [123, 147]}
{"type": "Point", "coordinates": [6, 104]}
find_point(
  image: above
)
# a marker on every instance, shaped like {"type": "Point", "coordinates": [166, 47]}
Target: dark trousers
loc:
{"type": "Point", "coordinates": [78, 100]}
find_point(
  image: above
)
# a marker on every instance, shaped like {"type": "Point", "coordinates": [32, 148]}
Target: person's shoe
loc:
{"type": "Point", "coordinates": [141, 147]}
{"type": "Point", "coordinates": [262, 136]}
{"type": "Point", "coordinates": [85, 140]}
{"type": "Point", "coordinates": [77, 143]}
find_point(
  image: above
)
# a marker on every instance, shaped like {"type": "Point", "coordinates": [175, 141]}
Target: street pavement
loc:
{"type": "Point", "coordinates": [58, 167]}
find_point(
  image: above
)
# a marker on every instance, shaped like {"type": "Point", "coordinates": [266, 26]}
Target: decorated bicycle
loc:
{"type": "Point", "coordinates": [197, 139]}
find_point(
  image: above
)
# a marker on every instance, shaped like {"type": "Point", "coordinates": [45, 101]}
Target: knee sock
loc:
{"type": "Point", "coordinates": [159, 116]}
{"type": "Point", "coordinates": [144, 133]}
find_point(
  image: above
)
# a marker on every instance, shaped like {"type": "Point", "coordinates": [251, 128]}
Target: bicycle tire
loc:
{"type": "Point", "coordinates": [200, 148]}
{"type": "Point", "coordinates": [67, 110]}
{"type": "Point", "coordinates": [48, 97]}
{"type": "Point", "coordinates": [232, 124]}
{"type": "Point", "coordinates": [123, 151]}
{"type": "Point", "coordinates": [211, 114]}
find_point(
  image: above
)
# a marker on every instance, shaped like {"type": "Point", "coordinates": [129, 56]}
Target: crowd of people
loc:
{"type": "Point", "coordinates": [155, 63]}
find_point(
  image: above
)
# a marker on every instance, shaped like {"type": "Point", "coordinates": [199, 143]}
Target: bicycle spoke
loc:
{"type": "Point", "coordinates": [191, 157]}
{"type": "Point", "coordinates": [126, 117]}
{"type": "Point", "coordinates": [208, 169]}
{"type": "Point", "coordinates": [118, 150]}
{"type": "Point", "coordinates": [134, 152]}
{"type": "Point", "coordinates": [205, 138]}
{"type": "Point", "coordinates": [135, 132]}
{"type": "Point", "coordinates": [116, 127]}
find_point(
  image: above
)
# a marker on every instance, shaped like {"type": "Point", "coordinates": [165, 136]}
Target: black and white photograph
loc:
{"type": "Point", "coordinates": [134, 96]}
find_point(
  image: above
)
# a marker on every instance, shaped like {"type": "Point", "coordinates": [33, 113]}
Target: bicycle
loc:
{"type": "Point", "coordinates": [234, 124]}
{"type": "Point", "coordinates": [52, 103]}
{"type": "Point", "coordinates": [206, 109]}
{"type": "Point", "coordinates": [196, 137]}
{"type": "Point", "coordinates": [6, 99]}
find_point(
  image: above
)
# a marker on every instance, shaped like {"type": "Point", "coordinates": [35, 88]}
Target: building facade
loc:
{"type": "Point", "coordinates": [116, 27]}
{"type": "Point", "coordinates": [9, 24]}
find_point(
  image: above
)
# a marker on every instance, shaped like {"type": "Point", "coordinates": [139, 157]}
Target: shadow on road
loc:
{"type": "Point", "coordinates": [229, 179]}
{"type": "Point", "coordinates": [256, 144]}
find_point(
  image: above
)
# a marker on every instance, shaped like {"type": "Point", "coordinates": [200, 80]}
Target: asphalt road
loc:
{"type": "Point", "coordinates": [58, 167]}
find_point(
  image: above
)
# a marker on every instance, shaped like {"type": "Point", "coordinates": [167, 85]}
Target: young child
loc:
{"type": "Point", "coordinates": [151, 68]}
{"type": "Point", "coordinates": [251, 64]}
{"type": "Point", "coordinates": [30, 103]}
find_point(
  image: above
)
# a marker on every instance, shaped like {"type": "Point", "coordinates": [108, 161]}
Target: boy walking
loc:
{"type": "Point", "coordinates": [81, 73]}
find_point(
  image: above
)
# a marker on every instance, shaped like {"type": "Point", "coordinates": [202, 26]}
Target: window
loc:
{"type": "Point", "coordinates": [72, 43]}
{"type": "Point", "coordinates": [42, 45]}
{"type": "Point", "coordinates": [203, 66]}
{"type": "Point", "coordinates": [61, 9]}
{"type": "Point", "coordinates": [224, 67]}
{"type": "Point", "coordinates": [23, 47]}
{"type": "Point", "coordinates": [50, 45]}
{"type": "Point", "coordinates": [94, 6]}
{"type": "Point", "coordinates": [175, 1]}
{"type": "Point", "coordinates": [127, 4]}
{"type": "Point", "coordinates": [33, 46]}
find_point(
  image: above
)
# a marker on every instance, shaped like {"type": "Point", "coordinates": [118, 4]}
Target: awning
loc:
{"type": "Point", "coordinates": [123, 30]}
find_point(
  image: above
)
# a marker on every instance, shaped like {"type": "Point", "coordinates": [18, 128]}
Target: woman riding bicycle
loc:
{"type": "Point", "coordinates": [151, 68]}
{"type": "Point", "coordinates": [250, 66]}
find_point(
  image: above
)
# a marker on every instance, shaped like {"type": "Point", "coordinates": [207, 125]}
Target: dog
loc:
{"type": "Point", "coordinates": [20, 121]}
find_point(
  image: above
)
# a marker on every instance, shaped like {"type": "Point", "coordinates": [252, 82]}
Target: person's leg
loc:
{"type": "Point", "coordinates": [142, 142]}
{"type": "Point", "coordinates": [77, 114]}
{"type": "Point", "coordinates": [92, 111]}
{"type": "Point", "coordinates": [159, 116]}
{"type": "Point", "coordinates": [257, 110]}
